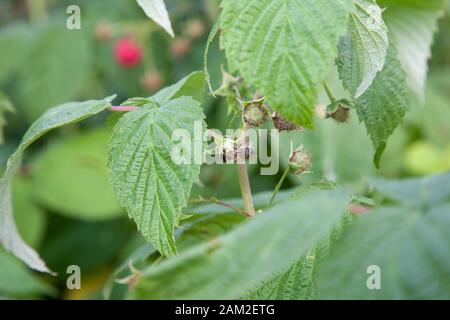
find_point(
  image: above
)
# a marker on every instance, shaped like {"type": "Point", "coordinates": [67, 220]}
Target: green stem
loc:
{"type": "Point", "coordinates": [244, 183]}
{"type": "Point", "coordinates": [278, 187]}
{"type": "Point", "coordinates": [329, 94]}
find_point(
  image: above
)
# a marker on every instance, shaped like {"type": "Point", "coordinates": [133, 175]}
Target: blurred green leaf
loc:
{"type": "Point", "coordinates": [54, 118]}
{"type": "Point", "coordinates": [16, 281]}
{"type": "Point", "coordinates": [428, 191]}
{"type": "Point", "coordinates": [71, 177]}
{"type": "Point", "coordinates": [215, 270]}
{"type": "Point", "coordinates": [55, 71]}
{"type": "Point", "coordinates": [411, 248]}
{"type": "Point", "coordinates": [89, 245]}
{"type": "Point", "coordinates": [15, 42]}
{"type": "Point", "coordinates": [30, 219]}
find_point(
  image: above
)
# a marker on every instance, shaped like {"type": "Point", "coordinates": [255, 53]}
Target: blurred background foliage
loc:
{"type": "Point", "coordinates": [62, 200]}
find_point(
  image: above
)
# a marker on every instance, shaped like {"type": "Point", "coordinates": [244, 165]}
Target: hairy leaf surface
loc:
{"type": "Point", "coordinates": [144, 177]}
{"type": "Point", "coordinates": [284, 48]}
{"type": "Point", "coordinates": [383, 106]}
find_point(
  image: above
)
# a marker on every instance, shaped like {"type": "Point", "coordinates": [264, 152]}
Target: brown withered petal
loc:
{"type": "Point", "coordinates": [284, 125]}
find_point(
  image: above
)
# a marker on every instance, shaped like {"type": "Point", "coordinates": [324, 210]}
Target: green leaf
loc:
{"type": "Point", "coordinates": [55, 71]}
{"type": "Point", "coordinates": [15, 42]}
{"type": "Point", "coordinates": [191, 85]}
{"type": "Point", "coordinates": [412, 24]}
{"type": "Point", "coordinates": [88, 196]}
{"type": "Point", "coordinates": [5, 106]}
{"type": "Point", "coordinates": [411, 246]}
{"type": "Point", "coordinates": [29, 217]}
{"type": "Point", "coordinates": [369, 36]}
{"type": "Point", "coordinates": [212, 34]}
{"type": "Point", "coordinates": [428, 191]}
{"type": "Point", "coordinates": [383, 106]}
{"type": "Point", "coordinates": [297, 282]}
{"type": "Point", "coordinates": [18, 282]}
{"type": "Point", "coordinates": [156, 10]}
{"type": "Point", "coordinates": [144, 177]}
{"type": "Point", "coordinates": [228, 266]}
{"type": "Point", "coordinates": [56, 117]}
{"type": "Point", "coordinates": [284, 48]}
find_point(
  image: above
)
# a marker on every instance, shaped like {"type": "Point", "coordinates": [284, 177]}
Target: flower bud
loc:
{"type": "Point", "coordinates": [255, 114]}
{"type": "Point", "coordinates": [339, 111]}
{"type": "Point", "coordinates": [300, 161]}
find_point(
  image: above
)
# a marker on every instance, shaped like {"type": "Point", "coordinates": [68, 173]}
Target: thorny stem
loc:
{"type": "Point", "coordinates": [278, 187]}
{"type": "Point", "coordinates": [122, 108]}
{"type": "Point", "coordinates": [329, 94]}
{"type": "Point", "coordinates": [244, 181]}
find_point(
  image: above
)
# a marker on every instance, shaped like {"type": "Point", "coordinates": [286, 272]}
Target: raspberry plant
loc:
{"type": "Point", "coordinates": [298, 245]}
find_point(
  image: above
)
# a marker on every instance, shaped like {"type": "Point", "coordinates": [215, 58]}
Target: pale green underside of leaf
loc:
{"type": "Point", "coordinates": [56, 117]}
{"type": "Point", "coordinates": [144, 178]}
{"type": "Point", "coordinates": [212, 270]}
{"type": "Point", "coordinates": [383, 106]}
{"type": "Point", "coordinates": [192, 85]}
{"type": "Point", "coordinates": [369, 37]}
{"type": "Point", "coordinates": [156, 10]}
{"type": "Point", "coordinates": [411, 245]}
{"type": "Point", "coordinates": [430, 190]}
{"type": "Point", "coordinates": [284, 48]}
{"type": "Point", "coordinates": [412, 24]}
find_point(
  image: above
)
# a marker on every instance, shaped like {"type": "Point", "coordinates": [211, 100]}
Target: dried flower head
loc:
{"type": "Point", "coordinates": [300, 161]}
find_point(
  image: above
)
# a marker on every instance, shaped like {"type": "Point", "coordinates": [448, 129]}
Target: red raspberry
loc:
{"type": "Point", "coordinates": [127, 53]}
